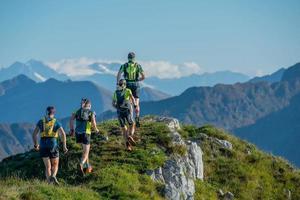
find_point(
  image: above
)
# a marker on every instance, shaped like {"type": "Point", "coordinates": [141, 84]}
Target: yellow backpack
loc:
{"type": "Point", "coordinates": [48, 128]}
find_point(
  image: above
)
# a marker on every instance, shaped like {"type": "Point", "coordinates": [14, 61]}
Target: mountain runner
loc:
{"type": "Point", "coordinates": [133, 73]}
{"type": "Point", "coordinates": [85, 121]}
{"type": "Point", "coordinates": [122, 101]}
{"type": "Point", "coordinates": [49, 129]}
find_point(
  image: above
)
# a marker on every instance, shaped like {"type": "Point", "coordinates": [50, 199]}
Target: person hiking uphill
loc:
{"type": "Point", "coordinates": [122, 101]}
{"type": "Point", "coordinates": [49, 129]}
{"type": "Point", "coordinates": [133, 73]}
{"type": "Point", "coordinates": [85, 121]}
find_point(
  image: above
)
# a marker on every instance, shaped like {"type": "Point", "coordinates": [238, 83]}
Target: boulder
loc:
{"type": "Point", "coordinates": [179, 172]}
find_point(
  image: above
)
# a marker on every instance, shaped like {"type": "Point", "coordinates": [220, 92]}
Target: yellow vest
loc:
{"type": "Point", "coordinates": [48, 128]}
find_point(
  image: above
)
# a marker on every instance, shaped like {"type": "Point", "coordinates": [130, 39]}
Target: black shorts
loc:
{"type": "Point", "coordinates": [125, 116]}
{"type": "Point", "coordinates": [47, 152]}
{"type": "Point", "coordinates": [83, 138]}
{"type": "Point", "coordinates": [135, 88]}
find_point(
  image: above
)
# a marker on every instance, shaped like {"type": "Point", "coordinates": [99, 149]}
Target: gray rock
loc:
{"type": "Point", "coordinates": [194, 161]}
{"type": "Point", "coordinates": [172, 123]}
{"type": "Point", "coordinates": [179, 172]}
{"type": "Point", "coordinates": [224, 143]}
{"type": "Point", "coordinates": [156, 175]}
{"type": "Point", "coordinates": [228, 196]}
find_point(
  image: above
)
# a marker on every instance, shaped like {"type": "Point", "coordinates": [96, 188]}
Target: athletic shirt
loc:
{"type": "Point", "coordinates": [83, 126]}
{"type": "Point", "coordinates": [131, 71]}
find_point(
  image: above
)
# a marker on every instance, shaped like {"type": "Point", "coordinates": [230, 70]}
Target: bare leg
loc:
{"type": "Point", "coordinates": [54, 166]}
{"type": "Point", "coordinates": [47, 164]}
{"type": "Point", "coordinates": [85, 153]}
{"type": "Point", "coordinates": [137, 113]}
{"type": "Point", "coordinates": [131, 130]}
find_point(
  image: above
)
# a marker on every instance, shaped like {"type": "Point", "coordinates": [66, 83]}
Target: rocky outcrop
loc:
{"type": "Point", "coordinates": [221, 143]}
{"type": "Point", "coordinates": [179, 172]}
{"type": "Point", "coordinates": [224, 143]}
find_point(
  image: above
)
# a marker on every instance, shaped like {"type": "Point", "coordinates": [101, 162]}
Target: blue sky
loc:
{"type": "Point", "coordinates": [246, 36]}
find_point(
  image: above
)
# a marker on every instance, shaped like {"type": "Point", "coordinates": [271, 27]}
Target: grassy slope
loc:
{"type": "Point", "coordinates": [121, 175]}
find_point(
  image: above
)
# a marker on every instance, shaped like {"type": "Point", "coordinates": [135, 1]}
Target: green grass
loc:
{"type": "Point", "coordinates": [119, 174]}
{"type": "Point", "coordinates": [15, 188]}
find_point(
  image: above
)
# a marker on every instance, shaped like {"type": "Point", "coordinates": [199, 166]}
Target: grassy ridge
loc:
{"type": "Point", "coordinates": [118, 174]}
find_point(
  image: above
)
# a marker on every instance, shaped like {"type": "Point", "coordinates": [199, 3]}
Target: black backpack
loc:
{"type": "Point", "coordinates": [84, 114]}
{"type": "Point", "coordinates": [122, 104]}
{"type": "Point", "coordinates": [126, 75]}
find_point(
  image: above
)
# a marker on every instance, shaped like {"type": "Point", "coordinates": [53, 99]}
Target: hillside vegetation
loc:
{"type": "Point", "coordinates": [243, 170]}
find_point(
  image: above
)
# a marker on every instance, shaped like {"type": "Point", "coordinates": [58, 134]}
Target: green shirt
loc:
{"type": "Point", "coordinates": [131, 71]}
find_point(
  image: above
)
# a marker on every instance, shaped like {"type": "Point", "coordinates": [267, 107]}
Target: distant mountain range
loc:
{"type": "Point", "coordinates": [272, 78]}
{"type": "Point", "coordinates": [105, 76]}
{"type": "Point", "coordinates": [178, 85]}
{"type": "Point", "coordinates": [173, 86]}
{"type": "Point", "coordinates": [150, 94]}
{"type": "Point", "coordinates": [15, 138]}
{"type": "Point", "coordinates": [34, 69]}
{"type": "Point", "coordinates": [25, 100]}
{"type": "Point", "coordinates": [228, 106]}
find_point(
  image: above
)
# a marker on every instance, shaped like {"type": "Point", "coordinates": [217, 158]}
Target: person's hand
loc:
{"type": "Point", "coordinates": [65, 149]}
{"type": "Point", "coordinates": [72, 132]}
{"type": "Point", "coordinates": [97, 130]}
{"type": "Point", "coordinates": [36, 147]}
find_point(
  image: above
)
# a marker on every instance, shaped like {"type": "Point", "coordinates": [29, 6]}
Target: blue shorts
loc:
{"type": "Point", "coordinates": [83, 138]}
{"type": "Point", "coordinates": [49, 148]}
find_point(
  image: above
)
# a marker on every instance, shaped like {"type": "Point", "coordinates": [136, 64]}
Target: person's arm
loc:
{"type": "Point", "coordinates": [141, 73]}
{"type": "Point", "coordinates": [35, 138]}
{"type": "Point", "coordinates": [142, 76]}
{"type": "Point", "coordinates": [94, 124]}
{"type": "Point", "coordinates": [72, 131]}
{"type": "Point", "coordinates": [132, 99]}
{"type": "Point", "coordinates": [134, 102]}
{"type": "Point", "coordinates": [63, 138]}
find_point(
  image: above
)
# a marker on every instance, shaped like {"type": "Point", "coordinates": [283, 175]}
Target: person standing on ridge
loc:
{"type": "Point", "coordinates": [49, 129]}
{"type": "Point", "coordinates": [133, 73]}
{"type": "Point", "coordinates": [122, 100]}
{"type": "Point", "coordinates": [85, 121]}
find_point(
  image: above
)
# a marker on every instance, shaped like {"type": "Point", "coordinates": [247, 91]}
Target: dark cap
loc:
{"type": "Point", "coordinates": [131, 55]}
{"type": "Point", "coordinates": [50, 110]}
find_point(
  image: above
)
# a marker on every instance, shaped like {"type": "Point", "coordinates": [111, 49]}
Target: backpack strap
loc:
{"type": "Point", "coordinates": [44, 124]}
